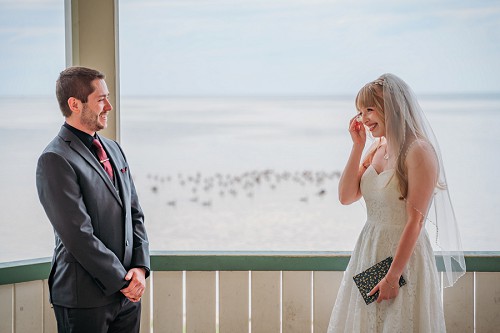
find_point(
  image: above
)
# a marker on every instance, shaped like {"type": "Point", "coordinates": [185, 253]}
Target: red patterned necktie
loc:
{"type": "Point", "coordinates": [103, 158]}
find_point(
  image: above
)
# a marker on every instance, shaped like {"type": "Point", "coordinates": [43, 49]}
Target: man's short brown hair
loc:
{"type": "Point", "coordinates": [75, 82]}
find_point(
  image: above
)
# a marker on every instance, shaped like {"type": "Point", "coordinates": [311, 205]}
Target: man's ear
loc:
{"type": "Point", "coordinates": [75, 105]}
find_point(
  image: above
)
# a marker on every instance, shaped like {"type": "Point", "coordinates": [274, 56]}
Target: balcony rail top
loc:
{"type": "Point", "coordinates": [38, 269]}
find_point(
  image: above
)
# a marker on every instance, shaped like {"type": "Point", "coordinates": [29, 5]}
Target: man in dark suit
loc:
{"type": "Point", "coordinates": [101, 255]}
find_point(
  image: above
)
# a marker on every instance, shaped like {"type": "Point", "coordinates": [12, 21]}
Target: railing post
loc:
{"type": "Point", "coordinates": [487, 302]}
{"type": "Point", "coordinates": [49, 318]}
{"type": "Point", "coordinates": [7, 308]}
{"type": "Point", "coordinates": [28, 313]}
{"type": "Point", "coordinates": [297, 297]}
{"type": "Point", "coordinates": [233, 301]}
{"type": "Point", "coordinates": [458, 304]}
{"type": "Point", "coordinates": [146, 309]}
{"type": "Point", "coordinates": [168, 302]}
{"type": "Point", "coordinates": [266, 302]}
{"type": "Point", "coordinates": [200, 302]}
{"type": "Point", "coordinates": [325, 289]}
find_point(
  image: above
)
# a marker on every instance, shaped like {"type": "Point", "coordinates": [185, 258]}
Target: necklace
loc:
{"type": "Point", "coordinates": [386, 154]}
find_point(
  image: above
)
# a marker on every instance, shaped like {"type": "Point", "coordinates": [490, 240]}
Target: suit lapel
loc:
{"type": "Point", "coordinates": [77, 145]}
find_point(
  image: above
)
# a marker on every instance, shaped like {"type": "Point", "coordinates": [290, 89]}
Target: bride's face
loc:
{"type": "Point", "coordinates": [372, 118]}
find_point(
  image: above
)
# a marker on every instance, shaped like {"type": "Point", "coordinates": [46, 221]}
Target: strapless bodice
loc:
{"type": "Point", "coordinates": [381, 194]}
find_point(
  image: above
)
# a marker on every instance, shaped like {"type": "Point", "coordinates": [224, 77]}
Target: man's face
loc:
{"type": "Point", "coordinates": [94, 115]}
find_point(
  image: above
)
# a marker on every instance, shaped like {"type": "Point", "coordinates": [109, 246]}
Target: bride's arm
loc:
{"type": "Point", "coordinates": [349, 190]}
{"type": "Point", "coordinates": [349, 181]}
{"type": "Point", "coordinates": [422, 168]}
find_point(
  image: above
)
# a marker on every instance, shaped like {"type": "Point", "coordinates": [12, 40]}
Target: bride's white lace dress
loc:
{"type": "Point", "coordinates": [417, 308]}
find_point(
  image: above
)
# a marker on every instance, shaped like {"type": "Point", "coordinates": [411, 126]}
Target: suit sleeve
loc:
{"type": "Point", "coordinates": [61, 197]}
{"type": "Point", "coordinates": [140, 256]}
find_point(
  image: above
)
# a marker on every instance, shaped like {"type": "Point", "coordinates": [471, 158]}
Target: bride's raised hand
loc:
{"type": "Point", "coordinates": [357, 131]}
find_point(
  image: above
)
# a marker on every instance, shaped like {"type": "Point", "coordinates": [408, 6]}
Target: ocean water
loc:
{"type": "Point", "coordinates": [248, 173]}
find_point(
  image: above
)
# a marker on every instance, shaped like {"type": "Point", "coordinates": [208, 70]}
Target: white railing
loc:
{"type": "Point", "coordinates": [252, 300]}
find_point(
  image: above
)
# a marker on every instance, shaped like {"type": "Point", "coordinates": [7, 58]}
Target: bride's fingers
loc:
{"type": "Point", "coordinates": [353, 125]}
{"type": "Point", "coordinates": [362, 131]}
{"type": "Point", "coordinates": [356, 127]}
{"type": "Point", "coordinates": [373, 291]}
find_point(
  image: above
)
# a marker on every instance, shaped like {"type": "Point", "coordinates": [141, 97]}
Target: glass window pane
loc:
{"type": "Point", "coordinates": [234, 114]}
{"type": "Point", "coordinates": [32, 39]}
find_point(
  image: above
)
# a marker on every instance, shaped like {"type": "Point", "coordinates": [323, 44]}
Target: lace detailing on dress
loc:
{"type": "Point", "coordinates": [417, 308]}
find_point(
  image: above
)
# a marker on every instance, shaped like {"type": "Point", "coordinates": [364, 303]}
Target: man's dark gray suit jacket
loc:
{"type": "Point", "coordinates": [99, 234]}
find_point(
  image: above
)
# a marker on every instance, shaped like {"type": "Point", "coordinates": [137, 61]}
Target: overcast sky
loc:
{"type": "Point", "coordinates": [267, 47]}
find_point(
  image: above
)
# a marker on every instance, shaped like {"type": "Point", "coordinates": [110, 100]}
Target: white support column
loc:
{"type": "Point", "coordinates": [92, 41]}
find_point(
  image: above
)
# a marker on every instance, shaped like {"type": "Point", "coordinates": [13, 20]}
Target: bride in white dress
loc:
{"type": "Point", "coordinates": [400, 178]}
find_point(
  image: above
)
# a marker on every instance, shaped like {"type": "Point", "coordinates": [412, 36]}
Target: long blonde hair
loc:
{"type": "Point", "coordinates": [405, 125]}
{"type": "Point", "coordinates": [400, 134]}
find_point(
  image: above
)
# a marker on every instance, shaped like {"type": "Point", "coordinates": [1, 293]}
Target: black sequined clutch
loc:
{"type": "Point", "coordinates": [367, 280]}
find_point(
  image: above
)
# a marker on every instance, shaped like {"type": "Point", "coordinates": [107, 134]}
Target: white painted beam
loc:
{"type": "Point", "coordinates": [92, 41]}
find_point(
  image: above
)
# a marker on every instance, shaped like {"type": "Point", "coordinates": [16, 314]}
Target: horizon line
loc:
{"type": "Point", "coordinates": [270, 96]}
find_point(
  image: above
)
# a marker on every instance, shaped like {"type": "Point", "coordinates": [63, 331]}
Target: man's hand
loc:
{"type": "Point", "coordinates": [135, 289]}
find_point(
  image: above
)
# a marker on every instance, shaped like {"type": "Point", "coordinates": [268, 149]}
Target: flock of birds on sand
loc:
{"type": "Point", "coordinates": [244, 184]}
